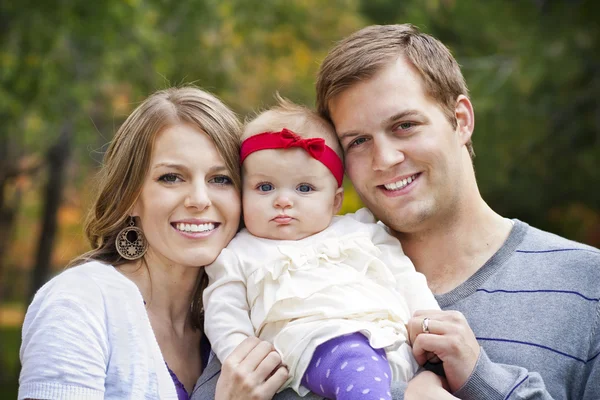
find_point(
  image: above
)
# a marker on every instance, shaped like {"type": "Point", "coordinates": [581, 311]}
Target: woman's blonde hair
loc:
{"type": "Point", "coordinates": [127, 161]}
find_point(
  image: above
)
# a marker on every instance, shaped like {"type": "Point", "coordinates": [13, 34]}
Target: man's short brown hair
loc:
{"type": "Point", "coordinates": [364, 53]}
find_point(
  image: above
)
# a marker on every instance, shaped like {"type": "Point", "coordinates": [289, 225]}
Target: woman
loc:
{"type": "Point", "coordinates": [126, 320]}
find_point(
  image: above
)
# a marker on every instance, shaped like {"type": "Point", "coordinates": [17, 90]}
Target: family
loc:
{"type": "Point", "coordinates": [220, 269]}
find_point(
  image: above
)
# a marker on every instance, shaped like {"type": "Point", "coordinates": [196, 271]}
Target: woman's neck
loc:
{"type": "Point", "coordinates": [167, 289]}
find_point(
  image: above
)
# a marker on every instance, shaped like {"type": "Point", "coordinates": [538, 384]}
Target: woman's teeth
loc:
{"type": "Point", "coordinates": [194, 227]}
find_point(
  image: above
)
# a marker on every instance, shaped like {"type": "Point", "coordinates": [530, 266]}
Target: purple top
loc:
{"type": "Point", "coordinates": [182, 394]}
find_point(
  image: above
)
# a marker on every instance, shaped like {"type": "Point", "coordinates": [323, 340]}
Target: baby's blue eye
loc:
{"type": "Point", "coordinates": [265, 187]}
{"type": "Point", "coordinates": [304, 188]}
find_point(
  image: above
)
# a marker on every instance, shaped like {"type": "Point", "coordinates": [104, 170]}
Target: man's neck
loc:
{"type": "Point", "coordinates": [453, 250]}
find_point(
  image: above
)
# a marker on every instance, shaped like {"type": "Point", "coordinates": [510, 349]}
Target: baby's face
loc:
{"type": "Point", "coordinates": [287, 194]}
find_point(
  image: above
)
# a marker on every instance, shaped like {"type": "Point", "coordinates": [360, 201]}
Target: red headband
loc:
{"type": "Point", "coordinates": [285, 139]}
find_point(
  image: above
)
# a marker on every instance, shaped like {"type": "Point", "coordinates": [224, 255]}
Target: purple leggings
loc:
{"type": "Point", "coordinates": [347, 367]}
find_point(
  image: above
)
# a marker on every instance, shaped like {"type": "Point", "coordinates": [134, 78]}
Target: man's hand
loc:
{"type": "Point", "coordinates": [450, 338]}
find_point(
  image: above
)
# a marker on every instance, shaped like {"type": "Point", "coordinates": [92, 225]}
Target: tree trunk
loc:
{"type": "Point", "coordinates": [57, 159]}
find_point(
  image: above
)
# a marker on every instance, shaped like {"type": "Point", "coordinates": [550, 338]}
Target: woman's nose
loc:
{"type": "Point", "coordinates": [198, 197]}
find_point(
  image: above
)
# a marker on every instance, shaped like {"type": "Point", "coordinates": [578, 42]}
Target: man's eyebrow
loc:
{"type": "Point", "coordinates": [348, 135]}
{"type": "Point", "coordinates": [404, 114]}
{"type": "Point", "coordinates": [390, 120]}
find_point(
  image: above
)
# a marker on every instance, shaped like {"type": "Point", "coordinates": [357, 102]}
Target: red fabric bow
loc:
{"type": "Point", "coordinates": [313, 146]}
{"type": "Point", "coordinates": [285, 139]}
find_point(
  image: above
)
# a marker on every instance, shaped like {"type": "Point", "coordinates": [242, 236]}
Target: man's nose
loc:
{"type": "Point", "coordinates": [386, 153]}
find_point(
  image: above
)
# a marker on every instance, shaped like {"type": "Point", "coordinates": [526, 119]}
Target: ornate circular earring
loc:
{"type": "Point", "coordinates": [131, 243]}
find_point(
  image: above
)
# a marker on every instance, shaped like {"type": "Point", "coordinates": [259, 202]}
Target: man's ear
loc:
{"type": "Point", "coordinates": [465, 118]}
{"type": "Point", "coordinates": [338, 200]}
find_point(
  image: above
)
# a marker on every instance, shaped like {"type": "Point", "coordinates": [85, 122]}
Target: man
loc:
{"type": "Point", "coordinates": [401, 110]}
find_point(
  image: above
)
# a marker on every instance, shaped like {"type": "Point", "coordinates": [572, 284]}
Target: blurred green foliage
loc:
{"type": "Point", "coordinates": [533, 69]}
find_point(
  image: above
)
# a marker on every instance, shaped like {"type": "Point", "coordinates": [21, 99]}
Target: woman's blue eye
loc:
{"type": "Point", "coordinates": [304, 188]}
{"type": "Point", "coordinates": [169, 178]}
{"type": "Point", "coordinates": [265, 187]}
{"type": "Point", "coordinates": [221, 180]}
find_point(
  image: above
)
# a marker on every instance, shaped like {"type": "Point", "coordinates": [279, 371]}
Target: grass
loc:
{"type": "Point", "coordinates": [10, 341]}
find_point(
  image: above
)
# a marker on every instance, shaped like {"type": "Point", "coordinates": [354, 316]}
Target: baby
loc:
{"type": "Point", "coordinates": [332, 293]}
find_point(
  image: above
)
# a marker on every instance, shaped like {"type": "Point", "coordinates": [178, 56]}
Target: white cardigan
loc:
{"type": "Point", "coordinates": [351, 277]}
{"type": "Point", "coordinates": [87, 335]}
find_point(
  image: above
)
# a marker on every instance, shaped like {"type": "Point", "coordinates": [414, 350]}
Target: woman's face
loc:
{"type": "Point", "coordinates": [189, 209]}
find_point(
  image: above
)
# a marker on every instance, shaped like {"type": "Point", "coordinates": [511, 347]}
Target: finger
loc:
{"type": "Point", "coordinates": [415, 327]}
{"type": "Point", "coordinates": [426, 344]}
{"type": "Point", "coordinates": [276, 380]}
{"type": "Point", "coordinates": [429, 313]}
{"type": "Point", "coordinates": [256, 356]}
{"type": "Point", "coordinates": [242, 350]}
{"type": "Point", "coordinates": [452, 316]}
{"type": "Point", "coordinates": [268, 366]}
{"type": "Point", "coordinates": [436, 324]}
{"type": "Point", "coordinates": [432, 358]}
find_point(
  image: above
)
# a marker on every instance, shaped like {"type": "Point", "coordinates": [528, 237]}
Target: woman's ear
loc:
{"type": "Point", "coordinates": [465, 118]}
{"type": "Point", "coordinates": [338, 200]}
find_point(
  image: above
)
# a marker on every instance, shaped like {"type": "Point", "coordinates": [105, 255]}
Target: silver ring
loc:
{"type": "Point", "coordinates": [425, 325]}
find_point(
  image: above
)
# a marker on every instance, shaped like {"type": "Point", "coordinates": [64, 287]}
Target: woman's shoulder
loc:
{"type": "Point", "coordinates": [83, 286]}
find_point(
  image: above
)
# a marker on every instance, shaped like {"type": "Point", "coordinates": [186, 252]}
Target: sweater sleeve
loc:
{"type": "Point", "coordinates": [65, 351]}
{"type": "Point", "coordinates": [410, 283]}
{"type": "Point", "coordinates": [227, 313]}
{"type": "Point", "coordinates": [590, 385]}
{"type": "Point", "coordinates": [492, 381]}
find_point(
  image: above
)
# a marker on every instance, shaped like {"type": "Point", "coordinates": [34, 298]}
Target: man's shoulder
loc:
{"type": "Point", "coordinates": [553, 258]}
{"type": "Point", "coordinates": [537, 241]}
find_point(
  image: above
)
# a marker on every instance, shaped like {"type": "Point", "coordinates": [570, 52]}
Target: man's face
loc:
{"type": "Point", "coordinates": [404, 158]}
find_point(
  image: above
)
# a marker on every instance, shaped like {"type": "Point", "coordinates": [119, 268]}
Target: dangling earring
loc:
{"type": "Point", "coordinates": [131, 242]}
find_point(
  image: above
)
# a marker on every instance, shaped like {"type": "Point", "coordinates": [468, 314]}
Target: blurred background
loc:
{"type": "Point", "coordinates": [71, 71]}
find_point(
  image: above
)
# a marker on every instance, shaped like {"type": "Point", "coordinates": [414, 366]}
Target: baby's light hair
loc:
{"type": "Point", "coordinates": [300, 119]}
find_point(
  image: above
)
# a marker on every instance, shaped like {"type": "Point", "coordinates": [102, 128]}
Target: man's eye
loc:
{"type": "Point", "coordinates": [304, 188]}
{"type": "Point", "coordinates": [357, 142]}
{"type": "Point", "coordinates": [406, 125]}
{"type": "Point", "coordinates": [265, 187]}
{"type": "Point", "coordinates": [169, 178]}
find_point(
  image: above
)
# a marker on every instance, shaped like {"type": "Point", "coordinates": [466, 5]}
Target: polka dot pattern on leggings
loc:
{"type": "Point", "coordinates": [350, 365]}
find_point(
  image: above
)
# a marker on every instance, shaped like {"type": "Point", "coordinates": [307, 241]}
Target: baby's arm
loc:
{"type": "Point", "coordinates": [227, 319]}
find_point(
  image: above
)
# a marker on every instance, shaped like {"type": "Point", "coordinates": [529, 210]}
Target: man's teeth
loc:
{"type": "Point", "coordinates": [195, 228]}
{"type": "Point", "coordinates": [400, 184]}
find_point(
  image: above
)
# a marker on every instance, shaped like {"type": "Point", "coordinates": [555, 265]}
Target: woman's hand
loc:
{"type": "Point", "coordinates": [427, 386]}
{"type": "Point", "coordinates": [253, 371]}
